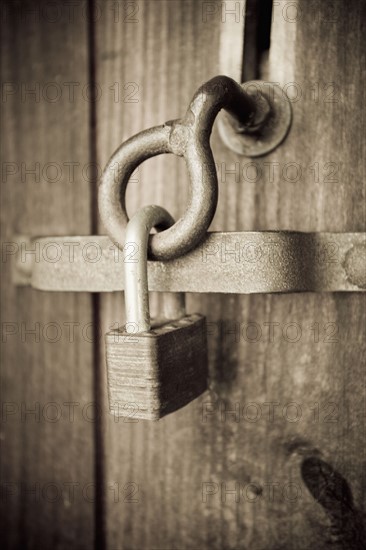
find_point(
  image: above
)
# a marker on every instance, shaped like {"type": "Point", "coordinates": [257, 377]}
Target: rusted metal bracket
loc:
{"type": "Point", "coordinates": [273, 121]}
{"type": "Point", "coordinates": [240, 263]}
{"type": "Point", "coordinates": [256, 119]}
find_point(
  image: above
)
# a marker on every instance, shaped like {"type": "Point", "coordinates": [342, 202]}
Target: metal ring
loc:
{"type": "Point", "coordinates": [188, 137]}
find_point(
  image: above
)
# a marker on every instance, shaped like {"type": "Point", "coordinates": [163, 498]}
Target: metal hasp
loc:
{"type": "Point", "coordinates": [240, 263]}
{"type": "Point", "coordinates": [255, 118]}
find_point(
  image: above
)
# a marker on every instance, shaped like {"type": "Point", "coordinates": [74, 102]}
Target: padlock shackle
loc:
{"type": "Point", "coordinates": [135, 267]}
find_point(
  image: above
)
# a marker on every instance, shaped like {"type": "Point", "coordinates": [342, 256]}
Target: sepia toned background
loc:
{"type": "Point", "coordinates": [273, 456]}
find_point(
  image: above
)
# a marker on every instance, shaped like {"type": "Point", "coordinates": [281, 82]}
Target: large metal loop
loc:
{"type": "Point", "coordinates": [188, 137]}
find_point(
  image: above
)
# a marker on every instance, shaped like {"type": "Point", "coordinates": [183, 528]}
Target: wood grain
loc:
{"type": "Point", "coordinates": [48, 456]}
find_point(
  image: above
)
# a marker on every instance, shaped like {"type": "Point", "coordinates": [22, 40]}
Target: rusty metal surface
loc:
{"type": "Point", "coordinates": [274, 121]}
{"type": "Point", "coordinates": [157, 371]}
{"type": "Point", "coordinates": [188, 137]}
{"type": "Point", "coordinates": [241, 263]}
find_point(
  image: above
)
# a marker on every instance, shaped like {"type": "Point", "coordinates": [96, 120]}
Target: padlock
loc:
{"type": "Point", "coordinates": [154, 367]}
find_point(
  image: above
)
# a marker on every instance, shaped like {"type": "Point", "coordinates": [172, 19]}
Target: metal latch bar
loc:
{"type": "Point", "coordinates": [231, 262]}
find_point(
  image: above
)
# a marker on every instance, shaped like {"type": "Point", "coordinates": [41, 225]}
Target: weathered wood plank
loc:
{"type": "Point", "coordinates": [47, 362]}
{"type": "Point", "coordinates": [301, 354]}
{"type": "Point", "coordinates": [317, 51]}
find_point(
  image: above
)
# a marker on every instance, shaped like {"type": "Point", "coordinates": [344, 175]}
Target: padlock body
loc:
{"type": "Point", "coordinates": [152, 374]}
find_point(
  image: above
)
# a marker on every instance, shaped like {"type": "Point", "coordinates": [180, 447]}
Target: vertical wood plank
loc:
{"type": "Point", "coordinates": [47, 466]}
{"type": "Point", "coordinates": [165, 54]}
{"type": "Point", "coordinates": [316, 55]}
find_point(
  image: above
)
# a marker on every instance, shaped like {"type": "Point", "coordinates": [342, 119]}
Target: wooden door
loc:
{"type": "Point", "coordinates": [273, 456]}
